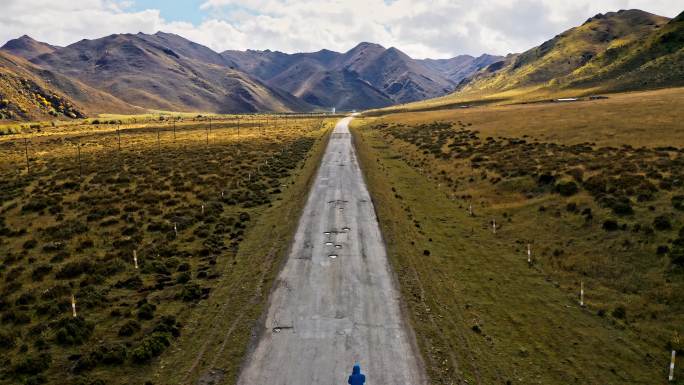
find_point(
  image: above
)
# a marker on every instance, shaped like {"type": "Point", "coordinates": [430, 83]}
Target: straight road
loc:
{"type": "Point", "coordinates": [335, 302]}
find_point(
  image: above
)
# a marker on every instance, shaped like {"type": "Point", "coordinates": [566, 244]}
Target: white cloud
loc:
{"type": "Point", "coordinates": [434, 28]}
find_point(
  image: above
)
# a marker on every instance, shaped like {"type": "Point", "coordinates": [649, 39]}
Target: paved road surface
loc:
{"type": "Point", "coordinates": [335, 302]}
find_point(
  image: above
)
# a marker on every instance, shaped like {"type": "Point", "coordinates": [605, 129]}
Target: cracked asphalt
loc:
{"type": "Point", "coordinates": [335, 301]}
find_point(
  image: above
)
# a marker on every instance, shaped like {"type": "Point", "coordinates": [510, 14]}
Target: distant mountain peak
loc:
{"type": "Point", "coordinates": [27, 47]}
{"type": "Point", "coordinates": [364, 46]}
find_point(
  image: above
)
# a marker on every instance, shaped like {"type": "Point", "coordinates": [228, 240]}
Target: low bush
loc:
{"type": "Point", "coordinates": [40, 271]}
{"type": "Point", "coordinates": [150, 347]}
{"type": "Point", "coordinates": [191, 292]}
{"type": "Point", "coordinates": [610, 225]}
{"type": "Point", "coordinates": [65, 230]}
{"type": "Point", "coordinates": [619, 312]}
{"type": "Point", "coordinates": [662, 223]}
{"type": "Point", "coordinates": [102, 354]}
{"type": "Point", "coordinates": [33, 364]}
{"type": "Point", "coordinates": [30, 244]}
{"type": "Point", "coordinates": [678, 202]}
{"type": "Point", "coordinates": [7, 340]}
{"type": "Point", "coordinates": [74, 269]}
{"type": "Point", "coordinates": [73, 330]}
{"type": "Point", "coordinates": [129, 328]}
{"type": "Point", "coordinates": [146, 311]}
{"type": "Point", "coordinates": [567, 189]}
{"type": "Point", "coordinates": [677, 256]}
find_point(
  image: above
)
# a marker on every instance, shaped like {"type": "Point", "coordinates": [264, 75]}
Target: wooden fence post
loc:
{"type": "Point", "coordinates": [80, 164]}
{"type": "Point", "coordinates": [28, 166]}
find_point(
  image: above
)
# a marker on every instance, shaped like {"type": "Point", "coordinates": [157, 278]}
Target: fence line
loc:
{"type": "Point", "coordinates": [122, 140]}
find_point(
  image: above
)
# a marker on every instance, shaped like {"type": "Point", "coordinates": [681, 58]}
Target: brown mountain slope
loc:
{"type": "Point", "coordinates": [167, 72]}
{"type": "Point", "coordinates": [375, 75]}
{"type": "Point", "coordinates": [548, 64]}
{"type": "Point", "coordinates": [395, 73]}
{"type": "Point", "coordinates": [29, 92]}
{"type": "Point", "coordinates": [462, 66]}
{"type": "Point", "coordinates": [27, 47]}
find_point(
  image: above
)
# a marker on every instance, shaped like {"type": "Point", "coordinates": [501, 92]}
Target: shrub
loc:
{"type": "Point", "coordinates": [662, 223]}
{"type": "Point", "coordinates": [662, 250]}
{"type": "Point", "coordinates": [150, 347]}
{"type": "Point", "coordinates": [66, 230]}
{"type": "Point", "coordinates": [30, 244]}
{"type": "Point", "coordinates": [567, 189]}
{"type": "Point", "coordinates": [33, 364]}
{"type": "Point", "coordinates": [38, 204]}
{"type": "Point", "coordinates": [244, 217]}
{"type": "Point", "coordinates": [113, 354]}
{"type": "Point", "coordinates": [73, 330]}
{"type": "Point", "coordinates": [619, 312]}
{"type": "Point", "coordinates": [610, 225]}
{"type": "Point", "coordinates": [183, 277]}
{"type": "Point", "coordinates": [7, 340]}
{"type": "Point", "coordinates": [146, 311]}
{"type": "Point", "coordinates": [186, 266]}
{"type": "Point", "coordinates": [129, 328]}
{"type": "Point", "coordinates": [103, 354]}
{"type": "Point", "coordinates": [678, 202]}
{"type": "Point", "coordinates": [595, 184]}
{"type": "Point", "coordinates": [576, 174]}
{"type": "Point", "coordinates": [74, 269]}
{"type": "Point", "coordinates": [134, 282]}
{"type": "Point", "coordinates": [620, 205]}
{"type": "Point", "coordinates": [191, 292]}
{"type": "Point", "coordinates": [25, 299]}
{"type": "Point", "coordinates": [677, 256]}
{"type": "Point", "coordinates": [40, 271]}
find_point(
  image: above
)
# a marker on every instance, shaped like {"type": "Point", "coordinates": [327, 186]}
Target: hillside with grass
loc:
{"type": "Point", "coordinates": [28, 92]}
{"type": "Point", "coordinates": [656, 60]}
{"type": "Point", "coordinates": [628, 49]}
{"type": "Point", "coordinates": [592, 189]}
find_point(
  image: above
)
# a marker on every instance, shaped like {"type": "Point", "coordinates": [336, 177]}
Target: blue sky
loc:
{"type": "Point", "coordinates": [421, 28]}
{"type": "Point", "coordinates": [179, 10]}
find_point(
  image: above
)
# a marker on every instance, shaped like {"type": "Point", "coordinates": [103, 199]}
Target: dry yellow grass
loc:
{"type": "Point", "coordinates": [647, 118]}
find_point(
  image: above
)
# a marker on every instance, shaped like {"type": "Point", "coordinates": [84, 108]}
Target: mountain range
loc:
{"type": "Point", "coordinates": [136, 72]}
{"type": "Point", "coordinates": [129, 73]}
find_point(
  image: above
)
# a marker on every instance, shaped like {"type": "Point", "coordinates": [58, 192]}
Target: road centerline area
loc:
{"type": "Point", "coordinates": [335, 302]}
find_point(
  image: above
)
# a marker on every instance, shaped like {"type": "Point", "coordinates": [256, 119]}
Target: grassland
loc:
{"type": "Point", "coordinates": [653, 101]}
{"type": "Point", "coordinates": [208, 214]}
{"type": "Point", "coordinates": [593, 187]}
{"type": "Point", "coordinates": [163, 119]}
